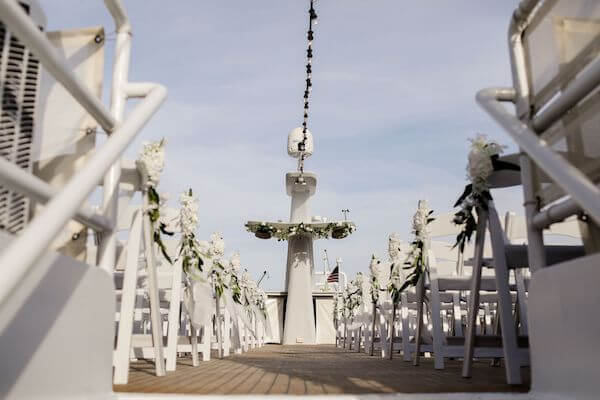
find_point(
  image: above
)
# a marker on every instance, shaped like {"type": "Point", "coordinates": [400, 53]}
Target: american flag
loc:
{"type": "Point", "coordinates": [334, 276]}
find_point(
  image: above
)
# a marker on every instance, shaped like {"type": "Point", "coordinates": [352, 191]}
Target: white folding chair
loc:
{"type": "Point", "coordinates": [139, 237]}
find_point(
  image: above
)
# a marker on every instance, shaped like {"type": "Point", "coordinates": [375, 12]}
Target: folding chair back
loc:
{"type": "Point", "coordinates": [561, 45]}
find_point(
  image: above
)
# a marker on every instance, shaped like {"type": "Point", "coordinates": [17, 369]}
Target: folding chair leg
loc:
{"type": "Point", "coordinates": [345, 330]}
{"type": "Point", "coordinates": [174, 308]}
{"type": "Point", "coordinates": [194, 343]}
{"type": "Point", "coordinates": [206, 339]}
{"type": "Point", "coordinates": [438, 334]}
{"type": "Point", "coordinates": [521, 301]}
{"type": "Point", "coordinates": [227, 333]}
{"type": "Point", "coordinates": [372, 343]}
{"type": "Point", "coordinates": [420, 300]}
{"type": "Point", "coordinates": [128, 295]}
{"type": "Point", "coordinates": [507, 323]}
{"type": "Point", "coordinates": [405, 327]}
{"type": "Point", "coordinates": [237, 336]}
{"type": "Point", "coordinates": [507, 326]}
{"type": "Point", "coordinates": [218, 326]}
{"type": "Point", "coordinates": [392, 323]}
{"type": "Point", "coordinates": [473, 307]}
{"type": "Point", "coordinates": [458, 331]}
{"type": "Point", "coordinates": [157, 336]}
{"type": "Point", "coordinates": [383, 335]}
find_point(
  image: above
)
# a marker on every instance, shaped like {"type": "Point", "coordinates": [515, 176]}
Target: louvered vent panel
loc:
{"type": "Point", "coordinates": [19, 82]}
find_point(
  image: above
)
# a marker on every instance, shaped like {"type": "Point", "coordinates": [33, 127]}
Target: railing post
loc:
{"type": "Point", "coordinates": [110, 195]}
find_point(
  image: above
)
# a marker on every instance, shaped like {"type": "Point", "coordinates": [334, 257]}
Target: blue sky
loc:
{"type": "Point", "coordinates": [392, 108]}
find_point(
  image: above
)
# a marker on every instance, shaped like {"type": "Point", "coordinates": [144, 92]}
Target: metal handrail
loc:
{"type": "Point", "coordinates": [572, 180]}
{"type": "Point", "coordinates": [29, 246]}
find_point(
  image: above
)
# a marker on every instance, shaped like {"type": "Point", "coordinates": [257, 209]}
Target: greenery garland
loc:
{"type": "Point", "coordinates": [336, 230]}
{"type": "Point", "coordinates": [416, 259]}
{"type": "Point", "coordinates": [218, 273]}
{"type": "Point", "coordinates": [236, 290]}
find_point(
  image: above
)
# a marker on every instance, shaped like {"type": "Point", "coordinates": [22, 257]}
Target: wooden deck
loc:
{"type": "Point", "coordinates": [321, 369]}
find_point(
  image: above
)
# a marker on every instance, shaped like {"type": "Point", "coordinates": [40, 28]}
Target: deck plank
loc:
{"type": "Point", "coordinates": [319, 369]}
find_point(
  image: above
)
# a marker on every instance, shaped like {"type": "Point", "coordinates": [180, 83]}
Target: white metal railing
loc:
{"type": "Point", "coordinates": [27, 248]}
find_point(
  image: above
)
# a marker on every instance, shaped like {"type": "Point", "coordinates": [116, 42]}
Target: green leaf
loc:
{"type": "Point", "coordinates": [162, 247]}
{"type": "Point", "coordinates": [163, 229]}
{"type": "Point", "coordinates": [468, 190]}
{"type": "Point", "coordinates": [153, 196]}
{"type": "Point", "coordinates": [154, 215]}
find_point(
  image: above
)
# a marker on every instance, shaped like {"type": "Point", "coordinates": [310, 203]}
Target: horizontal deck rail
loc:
{"type": "Point", "coordinates": [33, 187]}
{"type": "Point", "coordinates": [572, 180]}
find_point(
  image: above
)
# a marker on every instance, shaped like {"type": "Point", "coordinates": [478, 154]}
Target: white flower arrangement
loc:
{"type": "Point", "coordinates": [215, 267]}
{"type": "Point", "coordinates": [151, 162]}
{"type": "Point", "coordinates": [249, 290]}
{"type": "Point", "coordinates": [200, 260]}
{"type": "Point", "coordinates": [483, 160]}
{"type": "Point", "coordinates": [193, 258]}
{"type": "Point", "coordinates": [374, 278]}
{"type": "Point", "coordinates": [394, 244]}
{"type": "Point", "coordinates": [234, 278]}
{"type": "Point", "coordinates": [479, 166]}
{"type": "Point", "coordinates": [354, 295]}
{"type": "Point", "coordinates": [416, 258]}
{"type": "Point", "coordinates": [397, 277]}
{"type": "Point", "coordinates": [260, 300]}
{"type": "Point", "coordinates": [217, 245]}
{"type": "Point", "coordinates": [188, 213]}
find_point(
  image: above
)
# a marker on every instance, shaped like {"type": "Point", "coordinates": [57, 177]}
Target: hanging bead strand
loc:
{"type": "Point", "coordinates": [312, 20]}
